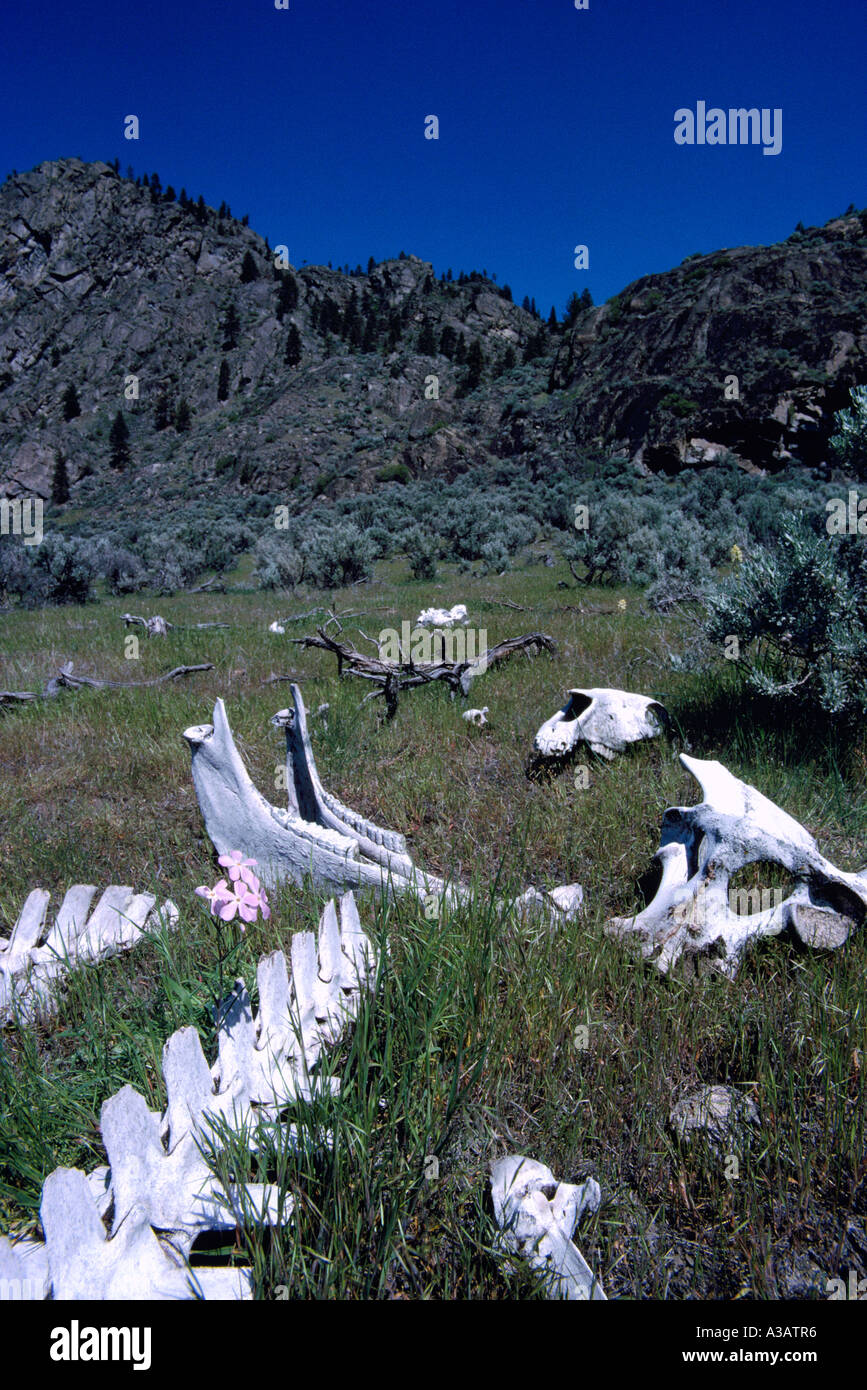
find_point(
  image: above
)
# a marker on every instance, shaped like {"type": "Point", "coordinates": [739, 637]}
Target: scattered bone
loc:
{"type": "Point", "coordinates": [34, 959]}
{"type": "Point", "coordinates": [537, 1217]}
{"type": "Point", "coordinates": [318, 836]}
{"type": "Point", "coordinates": [720, 1112]}
{"type": "Point", "coordinates": [276, 627]}
{"type": "Point", "coordinates": [158, 627]}
{"type": "Point", "coordinates": [703, 846]}
{"type": "Point", "coordinates": [155, 627]}
{"type": "Point", "coordinates": [478, 717]}
{"type": "Point", "coordinates": [607, 720]}
{"type": "Point", "coordinates": [442, 617]}
{"type": "Point", "coordinates": [126, 1231]}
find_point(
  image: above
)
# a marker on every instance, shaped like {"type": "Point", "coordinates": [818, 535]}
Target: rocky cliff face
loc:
{"type": "Point", "coordinates": [101, 282]}
{"type": "Point", "coordinates": [751, 350]}
{"type": "Point", "coordinates": [237, 375]}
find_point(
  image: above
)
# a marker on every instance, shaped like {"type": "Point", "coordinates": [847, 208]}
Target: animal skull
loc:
{"type": "Point", "coordinates": [693, 911]}
{"type": "Point", "coordinates": [607, 720]}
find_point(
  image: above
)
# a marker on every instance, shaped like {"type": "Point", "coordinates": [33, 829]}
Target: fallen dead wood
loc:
{"type": "Point", "coordinates": [65, 680]}
{"type": "Point", "coordinates": [392, 677]}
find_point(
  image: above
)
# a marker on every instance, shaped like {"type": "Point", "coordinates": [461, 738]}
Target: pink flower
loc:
{"type": "Point", "coordinates": [244, 897]}
{"type": "Point", "coordinates": [239, 867]}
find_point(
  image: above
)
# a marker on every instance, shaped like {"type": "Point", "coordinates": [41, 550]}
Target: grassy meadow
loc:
{"type": "Point", "coordinates": [468, 1051]}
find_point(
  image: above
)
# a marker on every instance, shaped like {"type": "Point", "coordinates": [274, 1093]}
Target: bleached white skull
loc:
{"type": "Point", "coordinates": [607, 720]}
{"type": "Point", "coordinates": [694, 911]}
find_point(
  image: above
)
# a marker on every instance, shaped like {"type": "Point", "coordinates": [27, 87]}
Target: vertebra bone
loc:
{"type": "Point", "coordinates": [158, 1190]}
{"type": "Point", "coordinates": [29, 972]}
{"type": "Point", "coordinates": [537, 1216]}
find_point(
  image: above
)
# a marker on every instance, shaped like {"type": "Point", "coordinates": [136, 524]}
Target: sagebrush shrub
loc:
{"type": "Point", "coordinates": [800, 619]}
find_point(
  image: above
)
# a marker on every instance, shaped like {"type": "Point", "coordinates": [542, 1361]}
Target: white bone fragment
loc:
{"type": "Point", "coordinates": [478, 717]}
{"type": "Point", "coordinates": [694, 911]}
{"type": "Point", "coordinates": [158, 1192]}
{"type": "Point", "coordinates": [276, 627]}
{"type": "Point", "coordinates": [537, 1217]}
{"type": "Point", "coordinates": [607, 720]}
{"type": "Point", "coordinates": [442, 617]}
{"type": "Point", "coordinates": [318, 836]}
{"type": "Point", "coordinates": [30, 971]}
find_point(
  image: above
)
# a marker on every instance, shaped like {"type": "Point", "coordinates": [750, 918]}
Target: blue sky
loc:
{"type": "Point", "coordinates": [556, 125]}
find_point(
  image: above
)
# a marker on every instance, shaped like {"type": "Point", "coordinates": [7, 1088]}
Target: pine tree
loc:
{"type": "Point", "coordinates": [509, 359]}
{"type": "Point", "coordinates": [182, 416]}
{"type": "Point", "coordinates": [506, 292]}
{"type": "Point", "coordinates": [475, 366]}
{"type": "Point", "coordinates": [427, 343]}
{"type": "Point", "coordinates": [223, 383]}
{"type": "Point", "coordinates": [552, 320]}
{"type": "Point", "coordinates": [71, 408]}
{"type": "Point", "coordinates": [169, 195]}
{"type": "Point", "coordinates": [162, 412]}
{"type": "Point", "coordinates": [60, 480]}
{"type": "Point", "coordinates": [287, 295]}
{"type": "Point", "coordinates": [183, 199]}
{"type": "Point", "coordinates": [448, 341]}
{"type": "Point", "coordinates": [371, 333]}
{"type": "Point", "coordinates": [156, 188]}
{"type": "Point", "coordinates": [351, 318]}
{"type": "Point", "coordinates": [460, 352]}
{"type": "Point", "coordinates": [201, 211]}
{"type": "Point", "coordinates": [371, 266]}
{"type": "Point", "coordinates": [293, 346]}
{"type": "Point", "coordinates": [118, 438]}
{"type": "Point", "coordinates": [231, 328]}
{"type": "Point", "coordinates": [249, 272]}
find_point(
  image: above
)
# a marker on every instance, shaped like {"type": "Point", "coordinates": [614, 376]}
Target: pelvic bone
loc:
{"type": "Point", "coordinates": [703, 846]}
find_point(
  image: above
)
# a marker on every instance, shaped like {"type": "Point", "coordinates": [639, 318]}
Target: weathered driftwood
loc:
{"type": "Point", "coordinates": [537, 1217]}
{"type": "Point", "coordinates": [318, 836]}
{"type": "Point", "coordinates": [126, 1231]}
{"type": "Point", "coordinates": [694, 912]}
{"type": "Point", "coordinates": [34, 960]}
{"type": "Point", "coordinates": [606, 720]}
{"type": "Point", "coordinates": [392, 677]}
{"type": "Point", "coordinates": [65, 680]}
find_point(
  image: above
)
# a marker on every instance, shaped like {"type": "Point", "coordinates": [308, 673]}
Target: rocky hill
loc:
{"type": "Point", "coordinates": [750, 349]}
{"type": "Point", "coordinates": [237, 373]}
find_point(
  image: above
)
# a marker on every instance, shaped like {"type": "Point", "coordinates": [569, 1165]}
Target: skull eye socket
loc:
{"type": "Point", "coordinates": [578, 705]}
